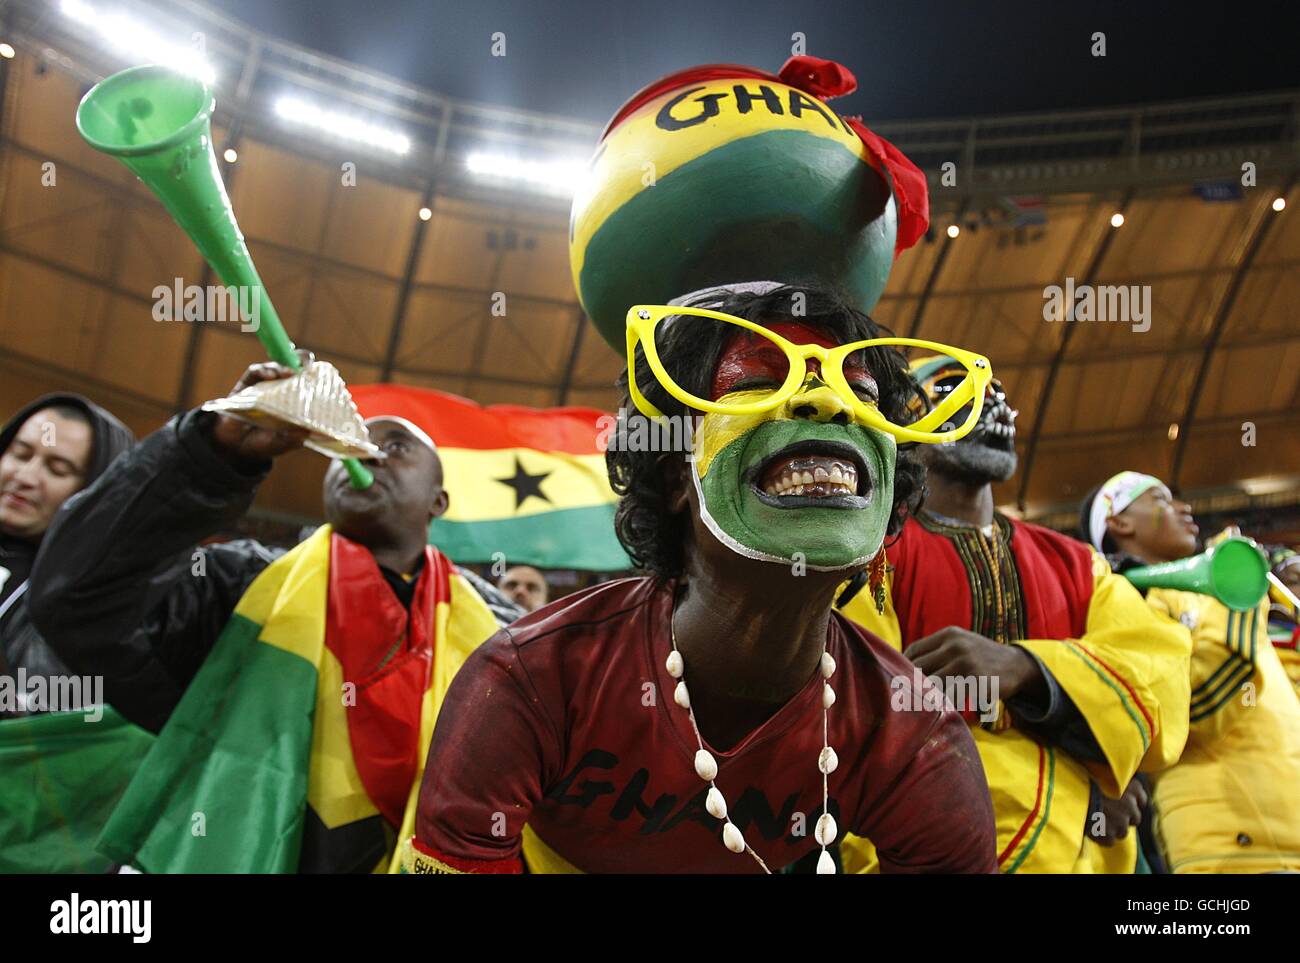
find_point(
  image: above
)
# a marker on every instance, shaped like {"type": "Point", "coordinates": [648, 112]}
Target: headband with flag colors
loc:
{"type": "Point", "coordinates": [1117, 494]}
{"type": "Point", "coordinates": [923, 370]}
{"type": "Point", "coordinates": [526, 485]}
{"type": "Point", "coordinates": [927, 366]}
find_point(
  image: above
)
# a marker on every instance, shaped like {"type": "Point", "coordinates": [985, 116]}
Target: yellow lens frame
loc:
{"type": "Point", "coordinates": [642, 319]}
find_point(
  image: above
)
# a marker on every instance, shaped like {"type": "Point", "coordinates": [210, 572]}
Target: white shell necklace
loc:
{"type": "Point", "coordinates": [706, 767]}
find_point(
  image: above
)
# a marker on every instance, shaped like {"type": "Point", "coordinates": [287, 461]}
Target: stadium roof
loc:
{"type": "Point", "coordinates": [1204, 396]}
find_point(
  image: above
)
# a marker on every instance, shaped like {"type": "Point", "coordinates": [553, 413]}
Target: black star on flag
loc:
{"type": "Point", "coordinates": [525, 485]}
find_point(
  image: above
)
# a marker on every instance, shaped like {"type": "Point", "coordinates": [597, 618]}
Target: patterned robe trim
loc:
{"type": "Point", "coordinates": [1128, 698]}
{"type": "Point", "coordinates": [997, 606]}
{"type": "Point", "coordinates": [998, 610]}
{"type": "Point", "coordinates": [1038, 816]}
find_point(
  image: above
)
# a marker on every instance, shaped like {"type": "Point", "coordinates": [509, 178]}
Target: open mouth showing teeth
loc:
{"type": "Point", "coordinates": [830, 474]}
{"type": "Point", "coordinates": [816, 476]}
{"type": "Point", "coordinates": [999, 430]}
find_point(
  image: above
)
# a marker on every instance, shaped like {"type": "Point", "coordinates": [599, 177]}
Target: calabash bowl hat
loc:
{"type": "Point", "coordinates": [723, 174]}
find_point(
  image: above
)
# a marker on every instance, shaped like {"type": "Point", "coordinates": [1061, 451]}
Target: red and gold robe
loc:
{"type": "Point", "coordinates": [1123, 667]}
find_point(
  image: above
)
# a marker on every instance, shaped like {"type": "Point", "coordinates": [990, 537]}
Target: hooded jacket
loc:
{"type": "Point", "coordinates": [21, 645]}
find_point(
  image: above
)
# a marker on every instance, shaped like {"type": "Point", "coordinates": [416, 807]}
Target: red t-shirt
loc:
{"type": "Point", "coordinates": [566, 721]}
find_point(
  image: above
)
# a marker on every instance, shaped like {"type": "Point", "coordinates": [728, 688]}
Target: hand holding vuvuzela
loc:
{"type": "Point", "coordinates": [158, 122]}
{"type": "Point", "coordinates": [244, 442]}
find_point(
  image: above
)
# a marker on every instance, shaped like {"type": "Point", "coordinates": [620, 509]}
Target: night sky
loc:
{"type": "Point", "coordinates": [582, 58]}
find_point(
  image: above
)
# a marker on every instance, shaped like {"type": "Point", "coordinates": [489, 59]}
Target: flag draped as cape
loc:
{"type": "Point", "coordinates": [263, 730]}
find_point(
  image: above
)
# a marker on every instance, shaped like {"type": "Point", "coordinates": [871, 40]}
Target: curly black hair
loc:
{"type": "Point", "coordinates": [653, 535]}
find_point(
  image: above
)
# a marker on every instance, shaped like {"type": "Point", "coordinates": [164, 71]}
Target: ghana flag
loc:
{"type": "Point", "coordinates": [63, 774]}
{"type": "Point", "coordinates": [526, 483]}
{"type": "Point", "coordinates": [285, 727]}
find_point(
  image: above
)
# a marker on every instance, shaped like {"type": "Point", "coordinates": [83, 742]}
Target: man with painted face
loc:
{"type": "Point", "coordinates": [1228, 806]}
{"type": "Point", "coordinates": [715, 715]}
{"type": "Point", "coordinates": [293, 693]}
{"type": "Point", "coordinates": [1070, 684]}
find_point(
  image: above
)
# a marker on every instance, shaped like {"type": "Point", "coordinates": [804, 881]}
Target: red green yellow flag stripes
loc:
{"type": "Point", "coordinates": [263, 730]}
{"type": "Point", "coordinates": [526, 484]}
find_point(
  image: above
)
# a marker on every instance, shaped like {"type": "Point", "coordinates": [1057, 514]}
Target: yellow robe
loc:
{"type": "Point", "coordinates": [1230, 804]}
{"type": "Point", "coordinates": [1127, 676]}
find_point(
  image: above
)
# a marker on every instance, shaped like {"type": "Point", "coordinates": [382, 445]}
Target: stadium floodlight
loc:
{"type": "Point", "coordinates": [341, 125]}
{"type": "Point", "coordinates": [558, 177]}
{"type": "Point", "coordinates": [1267, 484]}
{"type": "Point", "coordinates": [136, 42]}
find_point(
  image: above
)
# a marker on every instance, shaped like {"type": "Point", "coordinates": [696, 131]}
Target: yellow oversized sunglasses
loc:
{"type": "Point", "coordinates": [643, 324]}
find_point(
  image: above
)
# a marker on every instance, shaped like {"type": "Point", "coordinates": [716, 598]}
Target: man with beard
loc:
{"type": "Point", "coordinates": [1228, 806]}
{"type": "Point", "coordinates": [525, 586]}
{"type": "Point", "coordinates": [1070, 682]}
{"type": "Point", "coordinates": [293, 693]}
{"type": "Point", "coordinates": [716, 715]}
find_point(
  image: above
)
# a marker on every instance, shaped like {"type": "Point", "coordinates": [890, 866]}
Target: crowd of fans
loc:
{"type": "Point", "coordinates": [98, 536]}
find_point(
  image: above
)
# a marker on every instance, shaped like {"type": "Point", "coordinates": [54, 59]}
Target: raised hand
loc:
{"type": "Point", "coordinates": [242, 443]}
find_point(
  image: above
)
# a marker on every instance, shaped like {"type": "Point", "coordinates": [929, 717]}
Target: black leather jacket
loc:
{"type": "Point", "coordinates": [21, 645]}
{"type": "Point", "coordinates": [116, 588]}
{"type": "Point", "coordinates": [117, 592]}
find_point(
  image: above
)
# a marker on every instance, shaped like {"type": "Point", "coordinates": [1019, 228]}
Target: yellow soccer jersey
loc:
{"type": "Point", "coordinates": [1229, 805]}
